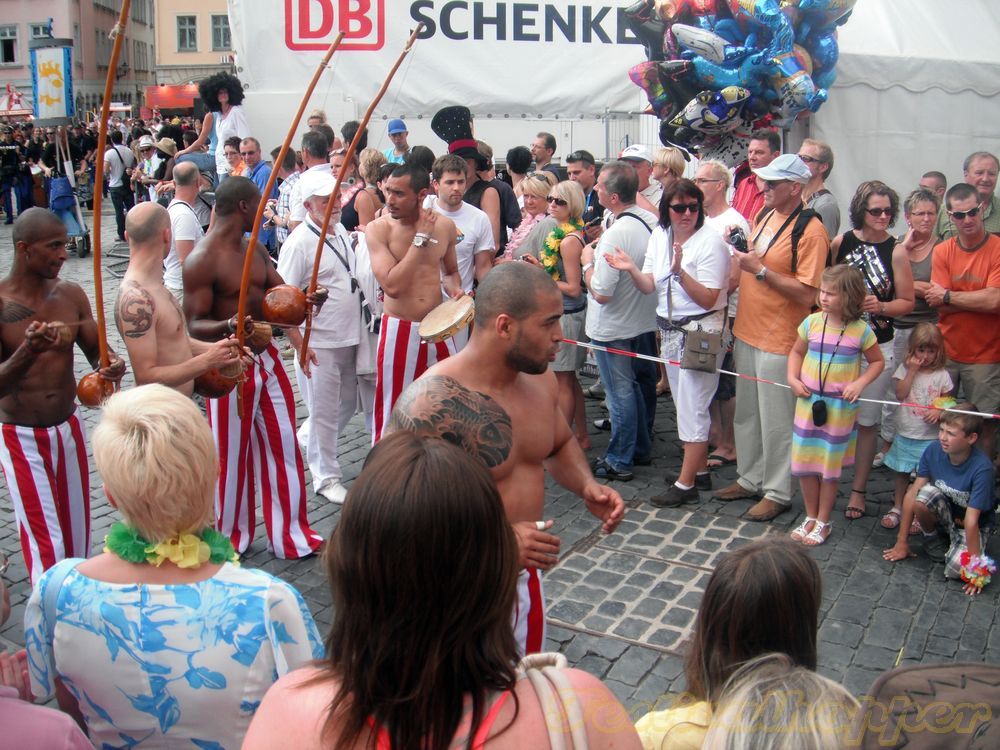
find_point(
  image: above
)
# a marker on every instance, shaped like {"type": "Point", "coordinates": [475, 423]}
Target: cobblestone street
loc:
{"type": "Point", "coordinates": [623, 606]}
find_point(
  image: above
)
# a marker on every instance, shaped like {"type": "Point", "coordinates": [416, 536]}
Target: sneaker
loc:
{"type": "Point", "coordinates": [879, 460]}
{"type": "Point", "coordinates": [935, 547]}
{"type": "Point", "coordinates": [288, 352]}
{"type": "Point", "coordinates": [603, 424]}
{"type": "Point", "coordinates": [596, 391]}
{"type": "Point", "coordinates": [702, 482]}
{"type": "Point", "coordinates": [604, 470]}
{"type": "Point", "coordinates": [334, 491]}
{"type": "Point", "coordinates": [675, 496]}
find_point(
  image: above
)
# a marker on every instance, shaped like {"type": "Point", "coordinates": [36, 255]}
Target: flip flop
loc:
{"type": "Point", "coordinates": [719, 461]}
{"type": "Point", "coordinates": [891, 519]}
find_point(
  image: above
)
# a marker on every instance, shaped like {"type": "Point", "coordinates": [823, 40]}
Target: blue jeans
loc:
{"type": "Point", "coordinates": [630, 385]}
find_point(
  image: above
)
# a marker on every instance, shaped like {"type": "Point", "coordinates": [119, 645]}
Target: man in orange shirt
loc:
{"type": "Point", "coordinates": [777, 291]}
{"type": "Point", "coordinates": [965, 290]}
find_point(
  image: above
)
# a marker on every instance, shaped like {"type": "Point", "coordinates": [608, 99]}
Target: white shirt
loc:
{"type": "Point", "coordinates": [234, 123]}
{"type": "Point", "coordinates": [727, 218]}
{"type": "Point", "coordinates": [475, 235]}
{"type": "Point", "coordinates": [115, 166]}
{"type": "Point", "coordinates": [184, 225]}
{"type": "Point", "coordinates": [705, 257]}
{"type": "Point", "coordinates": [630, 312]}
{"type": "Point", "coordinates": [653, 192]}
{"type": "Point", "coordinates": [338, 323]}
{"type": "Point", "coordinates": [297, 209]}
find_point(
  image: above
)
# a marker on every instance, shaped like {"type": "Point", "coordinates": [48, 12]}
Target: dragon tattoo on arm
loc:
{"type": "Point", "coordinates": [134, 311]}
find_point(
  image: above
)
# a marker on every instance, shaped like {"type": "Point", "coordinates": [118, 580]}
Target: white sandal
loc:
{"type": "Point", "coordinates": [816, 537]}
{"type": "Point", "coordinates": [802, 530]}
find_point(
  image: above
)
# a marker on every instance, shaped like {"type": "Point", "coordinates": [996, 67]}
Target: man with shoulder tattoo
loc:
{"type": "Point", "coordinates": [497, 399]}
{"type": "Point", "coordinates": [149, 317]}
{"type": "Point", "coordinates": [43, 450]}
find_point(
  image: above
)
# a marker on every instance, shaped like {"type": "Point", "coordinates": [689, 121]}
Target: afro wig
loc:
{"type": "Point", "coordinates": [211, 86]}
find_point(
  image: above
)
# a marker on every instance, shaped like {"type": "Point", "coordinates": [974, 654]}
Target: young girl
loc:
{"type": "Point", "coordinates": [824, 370]}
{"type": "Point", "coordinates": [919, 380]}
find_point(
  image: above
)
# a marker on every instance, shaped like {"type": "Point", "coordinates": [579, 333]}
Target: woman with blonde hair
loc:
{"type": "Point", "coordinates": [162, 639]}
{"type": "Point", "coordinates": [668, 166]}
{"type": "Point", "coordinates": [536, 223]}
{"type": "Point", "coordinates": [366, 201]}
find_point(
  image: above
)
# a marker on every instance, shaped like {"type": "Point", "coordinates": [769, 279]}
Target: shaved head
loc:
{"type": "Point", "coordinates": [186, 174]}
{"type": "Point", "coordinates": [145, 222]}
{"type": "Point", "coordinates": [231, 191]}
{"type": "Point", "coordinates": [513, 289]}
{"type": "Point", "coordinates": [35, 224]}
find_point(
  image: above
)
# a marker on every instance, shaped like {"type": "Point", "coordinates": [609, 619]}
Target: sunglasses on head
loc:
{"type": "Point", "coordinates": [581, 156]}
{"type": "Point", "coordinates": [962, 214]}
{"type": "Point", "coordinates": [558, 201]}
{"type": "Point", "coordinates": [876, 212]}
{"type": "Point", "coordinates": [680, 208]}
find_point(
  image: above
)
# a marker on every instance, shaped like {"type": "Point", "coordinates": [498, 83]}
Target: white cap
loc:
{"type": "Point", "coordinates": [786, 167]}
{"type": "Point", "coordinates": [146, 142]}
{"type": "Point", "coordinates": [637, 152]}
{"type": "Point", "coordinates": [316, 182]}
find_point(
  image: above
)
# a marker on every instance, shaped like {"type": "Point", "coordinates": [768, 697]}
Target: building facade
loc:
{"type": "Point", "coordinates": [88, 23]}
{"type": "Point", "coordinates": [192, 40]}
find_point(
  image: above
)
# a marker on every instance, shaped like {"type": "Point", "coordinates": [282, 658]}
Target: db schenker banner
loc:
{"type": "Point", "coordinates": [562, 58]}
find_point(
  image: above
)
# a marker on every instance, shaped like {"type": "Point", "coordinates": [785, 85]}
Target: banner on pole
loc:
{"type": "Point", "coordinates": [52, 81]}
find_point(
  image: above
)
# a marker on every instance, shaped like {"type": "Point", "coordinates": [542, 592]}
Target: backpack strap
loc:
{"type": "Point", "coordinates": [798, 229]}
{"type": "Point", "coordinates": [637, 218]}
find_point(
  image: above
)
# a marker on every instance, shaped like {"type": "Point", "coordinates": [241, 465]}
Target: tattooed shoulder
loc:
{"type": "Point", "coordinates": [134, 310]}
{"type": "Point", "coordinates": [12, 312]}
{"type": "Point", "coordinates": [443, 407]}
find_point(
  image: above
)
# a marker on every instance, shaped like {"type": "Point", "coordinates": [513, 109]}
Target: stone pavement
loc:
{"type": "Point", "coordinates": [623, 606]}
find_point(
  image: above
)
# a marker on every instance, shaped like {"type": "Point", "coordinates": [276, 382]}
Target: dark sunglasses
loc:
{"type": "Point", "coordinates": [810, 159]}
{"type": "Point", "coordinates": [558, 201]}
{"type": "Point", "coordinates": [962, 214]}
{"type": "Point", "coordinates": [772, 184]}
{"type": "Point", "coordinates": [680, 208]}
{"type": "Point", "coordinates": [876, 212]}
{"type": "Point", "coordinates": [581, 156]}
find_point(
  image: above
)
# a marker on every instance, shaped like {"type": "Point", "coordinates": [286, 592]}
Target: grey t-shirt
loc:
{"type": "Point", "coordinates": [829, 212]}
{"type": "Point", "coordinates": [629, 312]}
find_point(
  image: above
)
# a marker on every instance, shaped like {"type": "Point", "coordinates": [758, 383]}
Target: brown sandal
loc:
{"type": "Point", "coordinates": [852, 512]}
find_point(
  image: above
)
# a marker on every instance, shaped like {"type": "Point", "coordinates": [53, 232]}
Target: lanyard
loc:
{"type": "Point", "coordinates": [823, 377]}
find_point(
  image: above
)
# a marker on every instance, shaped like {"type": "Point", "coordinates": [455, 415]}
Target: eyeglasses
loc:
{"type": "Point", "coordinates": [923, 214]}
{"type": "Point", "coordinates": [810, 159]}
{"type": "Point", "coordinates": [680, 208]}
{"type": "Point", "coordinates": [248, 153]}
{"type": "Point", "coordinates": [703, 180]}
{"type": "Point", "coordinates": [772, 184]}
{"type": "Point", "coordinates": [876, 212]}
{"type": "Point", "coordinates": [962, 214]}
{"type": "Point", "coordinates": [558, 201]}
{"type": "Point", "coordinates": [581, 156]}
{"type": "Point", "coordinates": [231, 154]}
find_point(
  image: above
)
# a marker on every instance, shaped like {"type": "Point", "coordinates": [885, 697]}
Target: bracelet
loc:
{"type": "Point", "coordinates": [881, 308]}
{"type": "Point", "coordinates": [230, 326]}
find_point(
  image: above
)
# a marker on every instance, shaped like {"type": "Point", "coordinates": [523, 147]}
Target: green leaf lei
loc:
{"type": "Point", "coordinates": [550, 248]}
{"type": "Point", "coordinates": [128, 544]}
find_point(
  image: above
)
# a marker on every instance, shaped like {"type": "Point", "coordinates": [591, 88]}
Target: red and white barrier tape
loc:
{"type": "Point", "coordinates": [675, 363]}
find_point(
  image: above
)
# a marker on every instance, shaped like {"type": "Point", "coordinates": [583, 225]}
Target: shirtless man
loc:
{"type": "Point", "coordinates": [43, 452]}
{"type": "Point", "coordinates": [497, 399]}
{"type": "Point", "coordinates": [412, 256]}
{"type": "Point", "coordinates": [150, 319]}
{"type": "Point", "coordinates": [262, 446]}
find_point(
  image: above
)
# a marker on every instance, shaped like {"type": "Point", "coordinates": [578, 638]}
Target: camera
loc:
{"type": "Point", "coordinates": [819, 413]}
{"type": "Point", "coordinates": [738, 239]}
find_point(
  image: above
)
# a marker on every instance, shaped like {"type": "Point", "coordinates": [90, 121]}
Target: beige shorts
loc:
{"type": "Point", "coordinates": [980, 383]}
{"type": "Point", "coordinates": [571, 358]}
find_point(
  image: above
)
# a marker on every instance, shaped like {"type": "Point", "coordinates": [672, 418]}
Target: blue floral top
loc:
{"type": "Point", "coordinates": [172, 666]}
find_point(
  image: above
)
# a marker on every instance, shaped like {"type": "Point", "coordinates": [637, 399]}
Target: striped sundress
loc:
{"type": "Point", "coordinates": [824, 451]}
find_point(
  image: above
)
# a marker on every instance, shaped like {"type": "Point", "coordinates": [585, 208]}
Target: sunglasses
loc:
{"type": "Point", "coordinates": [680, 208]}
{"type": "Point", "coordinates": [962, 214]}
{"type": "Point", "coordinates": [703, 180]}
{"type": "Point", "coordinates": [810, 159]}
{"type": "Point", "coordinates": [558, 201]}
{"type": "Point", "coordinates": [538, 176]}
{"type": "Point", "coordinates": [772, 184]}
{"type": "Point", "coordinates": [581, 156]}
{"type": "Point", "coordinates": [876, 212]}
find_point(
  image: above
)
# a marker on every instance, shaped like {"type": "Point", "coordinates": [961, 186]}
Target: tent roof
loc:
{"type": "Point", "coordinates": [922, 44]}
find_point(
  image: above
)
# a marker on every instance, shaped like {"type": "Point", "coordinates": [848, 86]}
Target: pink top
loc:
{"type": "Point", "coordinates": [526, 225]}
{"type": "Point", "coordinates": [478, 741]}
{"type": "Point", "coordinates": [27, 725]}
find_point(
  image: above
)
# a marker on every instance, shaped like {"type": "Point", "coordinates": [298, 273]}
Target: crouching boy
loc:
{"type": "Point", "coordinates": [953, 493]}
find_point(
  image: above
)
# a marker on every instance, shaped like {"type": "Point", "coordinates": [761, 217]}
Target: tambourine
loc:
{"type": "Point", "coordinates": [447, 319]}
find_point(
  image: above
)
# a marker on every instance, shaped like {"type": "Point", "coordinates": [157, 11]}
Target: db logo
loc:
{"type": "Point", "coordinates": [313, 24]}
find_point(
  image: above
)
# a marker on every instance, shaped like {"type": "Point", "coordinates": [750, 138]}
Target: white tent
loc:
{"type": "Point", "coordinates": [916, 90]}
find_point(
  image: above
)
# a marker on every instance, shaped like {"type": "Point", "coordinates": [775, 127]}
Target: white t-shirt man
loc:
{"type": "Point", "coordinates": [117, 159]}
{"type": "Point", "coordinates": [475, 235]}
{"type": "Point", "coordinates": [184, 226]}
{"type": "Point", "coordinates": [630, 312]}
{"type": "Point", "coordinates": [705, 258]}
{"type": "Point", "coordinates": [729, 217]}
{"type": "Point", "coordinates": [297, 209]}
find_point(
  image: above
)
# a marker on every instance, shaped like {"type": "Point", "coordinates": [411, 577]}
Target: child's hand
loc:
{"type": "Point", "coordinates": [932, 416]}
{"type": "Point", "coordinates": [972, 590]}
{"type": "Point", "coordinates": [852, 391]}
{"type": "Point", "coordinates": [914, 362]}
{"type": "Point", "coordinates": [799, 388]}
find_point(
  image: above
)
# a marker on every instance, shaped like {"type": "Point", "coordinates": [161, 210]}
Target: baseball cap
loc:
{"type": "Point", "coordinates": [316, 182]}
{"type": "Point", "coordinates": [637, 152]}
{"type": "Point", "coordinates": [396, 126]}
{"type": "Point", "coordinates": [786, 167]}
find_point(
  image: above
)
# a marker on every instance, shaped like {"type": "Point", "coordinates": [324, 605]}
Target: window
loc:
{"type": "Point", "coordinates": [187, 34]}
{"type": "Point", "coordinates": [220, 33]}
{"type": "Point", "coordinates": [77, 46]}
{"type": "Point", "coordinates": [38, 30]}
{"type": "Point", "coordinates": [8, 45]}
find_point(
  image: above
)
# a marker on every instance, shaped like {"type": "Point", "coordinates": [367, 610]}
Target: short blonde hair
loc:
{"type": "Point", "coordinates": [572, 193]}
{"type": "Point", "coordinates": [670, 159]}
{"type": "Point", "coordinates": [369, 164]}
{"type": "Point", "coordinates": [719, 170]}
{"type": "Point", "coordinates": [156, 456]}
{"type": "Point", "coordinates": [537, 184]}
{"type": "Point", "coordinates": [317, 114]}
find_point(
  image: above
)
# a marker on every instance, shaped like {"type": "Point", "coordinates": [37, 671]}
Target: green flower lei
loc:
{"type": "Point", "coordinates": [128, 544]}
{"type": "Point", "coordinates": [550, 249]}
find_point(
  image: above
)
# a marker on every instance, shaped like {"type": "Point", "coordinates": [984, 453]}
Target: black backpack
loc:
{"type": "Point", "coordinates": [802, 219]}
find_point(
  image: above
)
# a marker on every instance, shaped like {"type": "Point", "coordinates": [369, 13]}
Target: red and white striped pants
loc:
{"type": "Point", "coordinates": [529, 612]}
{"type": "Point", "coordinates": [49, 482]}
{"type": "Point", "coordinates": [268, 431]}
{"type": "Point", "coordinates": [402, 358]}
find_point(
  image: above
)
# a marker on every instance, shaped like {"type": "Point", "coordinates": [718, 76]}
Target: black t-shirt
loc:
{"type": "Point", "coordinates": [875, 263]}
{"type": "Point", "coordinates": [592, 208]}
{"type": "Point", "coordinates": [10, 158]}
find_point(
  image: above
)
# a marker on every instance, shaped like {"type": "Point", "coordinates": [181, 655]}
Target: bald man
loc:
{"type": "Point", "coordinates": [497, 399]}
{"type": "Point", "coordinates": [43, 452]}
{"type": "Point", "coordinates": [149, 317]}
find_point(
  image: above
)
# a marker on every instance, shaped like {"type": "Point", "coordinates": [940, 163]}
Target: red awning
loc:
{"type": "Point", "coordinates": [179, 96]}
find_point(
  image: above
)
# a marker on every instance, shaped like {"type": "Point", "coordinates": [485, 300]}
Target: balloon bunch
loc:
{"type": "Point", "coordinates": [718, 69]}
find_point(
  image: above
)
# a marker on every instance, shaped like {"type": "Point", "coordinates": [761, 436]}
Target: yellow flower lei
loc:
{"type": "Point", "coordinates": [184, 550]}
{"type": "Point", "coordinates": [549, 254]}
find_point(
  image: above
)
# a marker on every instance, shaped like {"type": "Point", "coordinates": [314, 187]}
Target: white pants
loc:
{"type": "Point", "coordinates": [870, 414]}
{"type": "Point", "coordinates": [331, 396]}
{"type": "Point", "coordinates": [691, 390]}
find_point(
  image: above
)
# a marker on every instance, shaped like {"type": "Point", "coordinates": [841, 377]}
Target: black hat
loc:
{"type": "Point", "coordinates": [454, 126]}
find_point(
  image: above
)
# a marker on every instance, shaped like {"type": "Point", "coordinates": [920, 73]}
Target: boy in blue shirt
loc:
{"type": "Point", "coordinates": [953, 492]}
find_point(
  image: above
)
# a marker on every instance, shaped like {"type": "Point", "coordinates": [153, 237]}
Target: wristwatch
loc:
{"type": "Point", "coordinates": [761, 273]}
{"type": "Point", "coordinates": [586, 267]}
{"type": "Point", "coordinates": [947, 297]}
{"type": "Point", "coordinates": [420, 240]}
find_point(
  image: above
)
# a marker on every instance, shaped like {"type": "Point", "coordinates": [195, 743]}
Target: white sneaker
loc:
{"type": "Point", "coordinates": [334, 491]}
{"type": "Point", "coordinates": [879, 460]}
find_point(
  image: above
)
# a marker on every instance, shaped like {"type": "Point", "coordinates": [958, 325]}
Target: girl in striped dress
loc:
{"type": "Point", "coordinates": [824, 371]}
